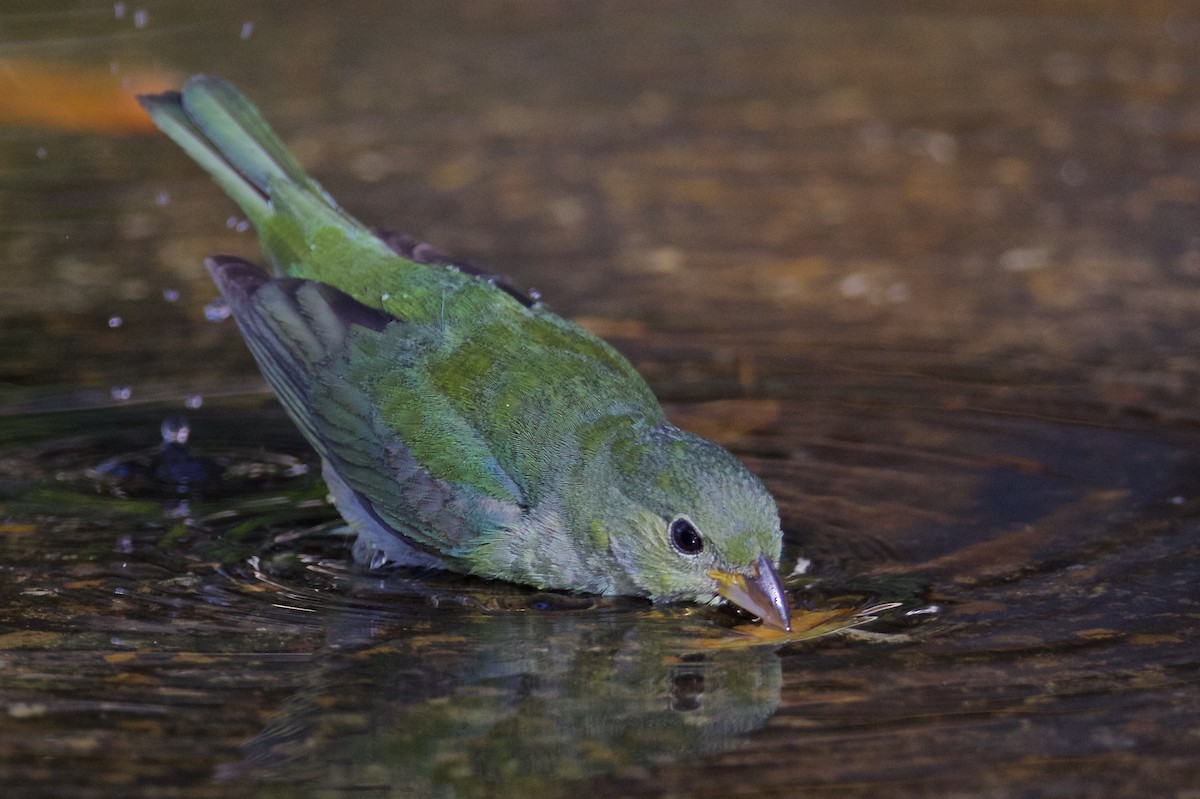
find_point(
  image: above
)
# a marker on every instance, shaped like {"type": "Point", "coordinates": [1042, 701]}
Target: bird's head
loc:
{"type": "Point", "coordinates": [698, 525]}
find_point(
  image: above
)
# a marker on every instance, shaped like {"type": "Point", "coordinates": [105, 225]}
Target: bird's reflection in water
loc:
{"type": "Point", "coordinates": [455, 705]}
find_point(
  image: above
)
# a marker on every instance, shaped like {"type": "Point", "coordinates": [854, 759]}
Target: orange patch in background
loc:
{"type": "Point", "coordinates": [73, 97]}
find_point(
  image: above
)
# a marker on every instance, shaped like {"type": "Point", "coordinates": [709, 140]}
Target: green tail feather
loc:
{"type": "Point", "coordinates": [167, 111]}
{"type": "Point", "coordinates": [239, 133]}
{"type": "Point", "coordinates": [218, 127]}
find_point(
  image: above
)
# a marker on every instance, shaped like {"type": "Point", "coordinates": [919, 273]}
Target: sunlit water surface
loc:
{"type": "Point", "coordinates": [931, 273]}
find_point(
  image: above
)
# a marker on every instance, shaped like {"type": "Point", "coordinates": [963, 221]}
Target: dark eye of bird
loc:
{"type": "Point", "coordinates": [685, 537]}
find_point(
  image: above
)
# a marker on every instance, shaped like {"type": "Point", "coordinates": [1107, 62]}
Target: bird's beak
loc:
{"type": "Point", "coordinates": [760, 592]}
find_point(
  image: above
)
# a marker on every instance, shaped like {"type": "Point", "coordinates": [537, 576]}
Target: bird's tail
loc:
{"type": "Point", "coordinates": [223, 131]}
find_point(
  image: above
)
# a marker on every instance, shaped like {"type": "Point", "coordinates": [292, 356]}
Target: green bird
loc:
{"type": "Point", "coordinates": [460, 423]}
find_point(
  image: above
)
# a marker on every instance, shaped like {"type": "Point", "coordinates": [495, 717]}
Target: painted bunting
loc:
{"type": "Point", "coordinates": [460, 423]}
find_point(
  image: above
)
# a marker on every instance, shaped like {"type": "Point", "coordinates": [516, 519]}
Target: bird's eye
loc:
{"type": "Point", "coordinates": [685, 537]}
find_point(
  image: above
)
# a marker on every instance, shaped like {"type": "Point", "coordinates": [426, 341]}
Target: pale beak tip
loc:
{"type": "Point", "coordinates": [760, 592]}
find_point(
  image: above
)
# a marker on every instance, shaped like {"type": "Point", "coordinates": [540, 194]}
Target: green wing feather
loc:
{"type": "Point", "coordinates": [309, 340]}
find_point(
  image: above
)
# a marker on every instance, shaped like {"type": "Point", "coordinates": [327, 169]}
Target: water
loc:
{"type": "Point", "coordinates": [931, 272]}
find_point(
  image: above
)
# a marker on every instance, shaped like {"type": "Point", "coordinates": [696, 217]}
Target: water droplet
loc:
{"type": "Point", "coordinates": [115, 321]}
{"type": "Point", "coordinates": [121, 392]}
{"type": "Point", "coordinates": [179, 511]}
{"type": "Point", "coordinates": [141, 18]}
{"type": "Point", "coordinates": [942, 147]}
{"type": "Point", "coordinates": [171, 295]}
{"type": "Point", "coordinates": [163, 198]}
{"type": "Point", "coordinates": [41, 153]}
{"type": "Point", "coordinates": [193, 401]}
{"type": "Point", "coordinates": [385, 296]}
{"type": "Point", "coordinates": [535, 295]}
{"type": "Point", "coordinates": [231, 222]}
{"type": "Point", "coordinates": [802, 566]}
{"type": "Point", "coordinates": [119, 10]}
{"type": "Point", "coordinates": [242, 226]}
{"type": "Point", "coordinates": [1025, 259]}
{"type": "Point", "coordinates": [247, 29]}
{"type": "Point", "coordinates": [855, 285]}
{"type": "Point", "coordinates": [378, 559]}
{"type": "Point", "coordinates": [175, 430]}
{"type": "Point", "coordinates": [217, 311]}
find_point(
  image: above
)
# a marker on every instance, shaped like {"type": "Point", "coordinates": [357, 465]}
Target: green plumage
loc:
{"type": "Point", "coordinates": [459, 423]}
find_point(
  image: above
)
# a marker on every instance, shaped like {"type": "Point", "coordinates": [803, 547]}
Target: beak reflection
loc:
{"type": "Point", "coordinates": [760, 592]}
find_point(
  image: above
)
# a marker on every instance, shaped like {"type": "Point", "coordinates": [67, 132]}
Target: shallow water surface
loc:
{"type": "Point", "coordinates": [931, 272]}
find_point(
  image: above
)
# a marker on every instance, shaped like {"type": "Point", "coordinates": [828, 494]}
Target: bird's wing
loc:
{"type": "Point", "coordinates": [323, 351]}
